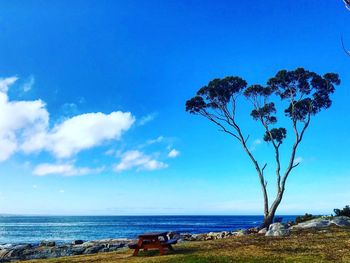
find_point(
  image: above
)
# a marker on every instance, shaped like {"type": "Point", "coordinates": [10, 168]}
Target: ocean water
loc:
{"type": "Point", "coordinates": [33, 229]}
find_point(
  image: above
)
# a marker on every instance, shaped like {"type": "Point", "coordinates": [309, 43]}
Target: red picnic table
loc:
{"type": "Point", "coordinates": [153, 240]}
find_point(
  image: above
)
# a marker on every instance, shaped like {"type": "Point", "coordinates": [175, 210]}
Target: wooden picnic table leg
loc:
{"type": "Point", "coordinates": [139, 245]}
{"type": "Point", "coordinates": [170, 247]}
{"type": "Point", "coordinates": [161, 250]}
{"type": "Point", "coordinates": [136, 251]}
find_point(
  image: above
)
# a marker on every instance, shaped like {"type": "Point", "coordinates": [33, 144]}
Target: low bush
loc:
{"type": "Point", "coordinates": [343, 212]}
{"type": "Point", "coordinates": [304, 218]}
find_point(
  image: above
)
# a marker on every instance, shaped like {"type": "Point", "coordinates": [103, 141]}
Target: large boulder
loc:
{"type": "Point", "coordinates": [342, 221]}
{"type": "Point", "coordinates": [277, 229]}
{"type": "Point", "coordinates": [262, 231]}
{"type": "Point", "coordinates": [239, 233]}
{"type": "Point", "coordinates": [322, 222]}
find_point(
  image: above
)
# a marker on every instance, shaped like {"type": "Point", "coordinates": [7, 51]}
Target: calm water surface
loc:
{"type": "Point", "coordinates": [32, 229]}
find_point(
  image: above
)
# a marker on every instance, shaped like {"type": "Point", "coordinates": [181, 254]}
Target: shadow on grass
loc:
{"type": "Point", "coordinates": [180, 251]}
{"type": "Point", "coordinates": [216, 259]}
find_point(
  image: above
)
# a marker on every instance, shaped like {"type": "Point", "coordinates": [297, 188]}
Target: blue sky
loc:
{"type": "Point", "coordinates": [92, 97]}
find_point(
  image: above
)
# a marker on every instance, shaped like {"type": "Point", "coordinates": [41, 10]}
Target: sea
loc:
{"type": "Point", "coordinates": [62, 229]}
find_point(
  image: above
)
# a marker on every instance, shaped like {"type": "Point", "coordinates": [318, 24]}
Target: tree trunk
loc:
{"type": "Point", "coordinates": [268, 219]}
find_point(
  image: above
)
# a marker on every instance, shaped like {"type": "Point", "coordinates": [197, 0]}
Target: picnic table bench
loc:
{"type": "Point", "coordinates": [153, 241]}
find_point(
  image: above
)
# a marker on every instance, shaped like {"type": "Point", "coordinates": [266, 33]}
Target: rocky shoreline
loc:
{"type": "Point", "coordinates": [51, 249]}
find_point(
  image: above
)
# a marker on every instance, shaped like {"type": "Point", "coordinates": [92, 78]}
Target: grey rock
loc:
{"type": "Point", "coordinates": [342, 221]}
{"type": "Point", "coordinates": [77, 242]}
{"type": "Point", "coordinates": [48, 250]}
{"type": "Point", "coordinates": [263, 231]}
{"type": "Point", "coordinates": [239, 233]}
{"type": "Point", "coordinates": [94, 249]}
{"type": "Point", "coordinates": [322, 222]}
{"type": "Point", "coordinates": [47, 243]}
{"type": "Point", "coordinates": [277, 229]}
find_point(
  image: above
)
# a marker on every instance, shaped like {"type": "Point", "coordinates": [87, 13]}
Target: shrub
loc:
{"type": "Point", "coordinates": [304, 218]}
{"type": "Point", "coordinates": [343, 212]}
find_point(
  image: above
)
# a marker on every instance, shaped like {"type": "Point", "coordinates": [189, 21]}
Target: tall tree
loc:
{"type": "Point", "coordinates": [306, 94]}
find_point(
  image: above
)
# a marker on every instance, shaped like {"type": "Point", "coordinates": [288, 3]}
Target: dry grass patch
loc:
{"type": "Point", "coordinates": [328, 245]}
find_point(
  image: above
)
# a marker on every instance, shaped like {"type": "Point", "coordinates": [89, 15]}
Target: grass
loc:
{"type": "Point", "coordinates": [328, 245]}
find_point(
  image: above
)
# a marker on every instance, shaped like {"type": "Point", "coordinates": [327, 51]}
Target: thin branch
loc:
{"type": "Point", "coordinates": [295, 165]}
{"type": "Point", "coordinates": [245, 141]}
{"type": "Point", "coordinates": [305, 127]}
{"type": "Point", "coordinates": [210, 117]}
{"type": "Point", "coordinates": [342, 43]}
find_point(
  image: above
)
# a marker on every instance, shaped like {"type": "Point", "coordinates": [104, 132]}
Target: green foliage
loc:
{"type": "Point", "coordinates": [305, 218]}
{"type": "Point", "coordinates": [276, 134]}
{"type": "Point", "coordinates": [305, 92]}
{"type": "Point", "coordinates": [343, 212]}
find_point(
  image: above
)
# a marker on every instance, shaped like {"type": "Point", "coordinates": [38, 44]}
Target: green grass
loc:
{"type": "Point", "coordinates": [331, 245]}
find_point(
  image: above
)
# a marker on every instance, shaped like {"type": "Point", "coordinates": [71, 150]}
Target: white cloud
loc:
{"type": "Point", "coordinates": [86, 131]}
{"type": "Point", "coordinates": [63, 169]}
{"type": "Point", "coordinates": [173, 153]}
{"type": "Point", "coordinates": [19, 120]}
{"type": "Point", "coordinates": [147, 118]}
{"type": "Point", "coordinates": [255, 143]}
{"type": "Point", "coordinates": [110, 152]}
{"type": "Point", "coordinates": [6, 82]}
{"type": "Point", "coordinates": [298, 160]}
{"type": "Point", "coordinates": [24, 126]}
{"type": "Point", "coordinates": [156, 140]}
{"type": "Point", "coordinates": [61, 191]}
{"type": "Point", "coordinates": [27, 86]}
{"type": "Point", "coordinates": [35, 186]}
{"type": "Point", "coordinates": [138, 160]}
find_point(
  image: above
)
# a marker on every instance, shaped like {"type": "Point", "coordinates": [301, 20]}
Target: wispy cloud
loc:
{"type": "Point", "coordinates": [159, 139]}
{"type": "Point", "coordinates": [156, 140]}
{"type": "Point", "coordinates": [139, 161]}
{"type": "Point", "coordinates": [255, 144]}
{"type": "Point", "coordinates": [70, 109]}
{"type": "Point", "coordinates": [5, 83]}
{"type": "Point", "coordinates": [173, 153]}
{"type": "Point", "coordinates": [27, 86]}
{"type": "Point", "coordinates": [298, 160]}
{"type": "Point", "coordinates": [145, 119]}
{"type": "Point", "coordinates": [64, 169]}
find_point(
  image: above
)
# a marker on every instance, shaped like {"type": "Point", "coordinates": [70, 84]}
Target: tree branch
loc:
{"type": "Point", "coordinates": [343, 46]}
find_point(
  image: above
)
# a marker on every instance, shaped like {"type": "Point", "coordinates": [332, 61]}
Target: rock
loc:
{"type": "Point", "coordinates": [341, 221]}
{"type": "Point", "coordinates": [277, 229]}
{"type": "Point", "coordinates": [49, 249]}
{"type": "Point", "coordinates": [47, 243]}
{"type": "Point", "coordinates": [239, 233]}
{"type": "Point", "coordinates": [212, 235]}
{"type": "Point", "coordinates": [94, 249]}
{"type": "Point", "coordinates": [253, 230]}
{"type": "Point", "coordinates": [186, 237]}
{"type": "Point", "coordinates": [77, 242]}
{"type": "Point", "coordinates": [175, 235]}
{"type": "Point", "coordinates": [263, 231]}
{"type": "Point", "coordinates": [225, 234]}
{"type": "Point", "coordinates": [314, 223]}
{"type": "Point", "coordinates": [200, 237]}
{"type": "Point", "coordinates": [322, 222]}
